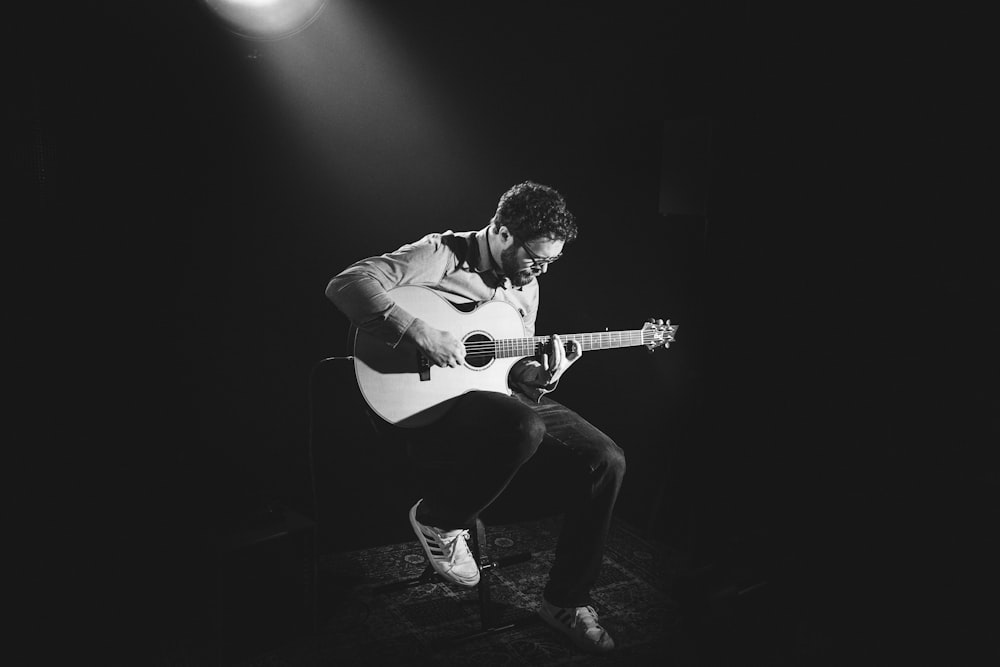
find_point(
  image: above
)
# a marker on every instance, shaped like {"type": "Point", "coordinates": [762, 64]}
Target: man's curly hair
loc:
{"type": "Point", "coordinates": [532, 211]}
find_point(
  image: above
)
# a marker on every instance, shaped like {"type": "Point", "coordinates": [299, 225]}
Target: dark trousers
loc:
{"type": "Point", "coordinates": [478, 447]}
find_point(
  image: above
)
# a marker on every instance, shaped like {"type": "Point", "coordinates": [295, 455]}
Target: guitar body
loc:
{"type": "Point", "coordinates": [399, 386]}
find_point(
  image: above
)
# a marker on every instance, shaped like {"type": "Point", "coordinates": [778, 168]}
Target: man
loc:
{"type": "Point", "coordinates": [487, 436]}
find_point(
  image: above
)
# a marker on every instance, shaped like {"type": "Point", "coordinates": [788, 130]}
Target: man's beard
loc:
{"type": "Point", "coordinates": [510, 266]}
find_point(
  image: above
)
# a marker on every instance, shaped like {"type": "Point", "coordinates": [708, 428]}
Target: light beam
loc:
{"type": "Point", "coordinates": [266, 19]}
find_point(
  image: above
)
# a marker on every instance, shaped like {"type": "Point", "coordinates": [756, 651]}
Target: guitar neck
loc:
{"type": "Point", "coordinates": [601, 340]}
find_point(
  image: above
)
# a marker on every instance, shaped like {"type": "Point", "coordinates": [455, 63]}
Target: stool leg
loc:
{"type": "Point", "coordinates": [478, 539]}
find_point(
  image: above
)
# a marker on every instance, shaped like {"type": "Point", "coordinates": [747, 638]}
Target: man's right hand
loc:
{"type": "Point", "coordinates": [440, 347]}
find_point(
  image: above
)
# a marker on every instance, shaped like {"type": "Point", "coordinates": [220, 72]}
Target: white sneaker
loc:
{"type": "Point", "coordinates": [447, 551]}
{"type": "Point", "coordinates": [579, 624]}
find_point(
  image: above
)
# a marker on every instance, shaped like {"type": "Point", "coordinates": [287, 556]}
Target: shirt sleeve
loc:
{"type": "Point", "coordinates": [514, 380]}
{"type": "Point", "coordinates": [361, 290]}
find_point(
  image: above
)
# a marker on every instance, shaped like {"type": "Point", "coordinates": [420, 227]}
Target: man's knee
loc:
{"type": "Point", "coordinates": [526, 435]}
{"type": "Point", "coordinates": [515, 433]}
{"type": "Point", "coordinates": [613, 459]}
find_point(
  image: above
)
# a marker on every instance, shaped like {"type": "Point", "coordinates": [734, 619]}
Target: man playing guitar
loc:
{"type": "Point", "coordinates": [480, 402]}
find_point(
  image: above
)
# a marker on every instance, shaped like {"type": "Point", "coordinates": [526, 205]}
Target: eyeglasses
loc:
{"type": "Point", "coordinates": [535, 259]}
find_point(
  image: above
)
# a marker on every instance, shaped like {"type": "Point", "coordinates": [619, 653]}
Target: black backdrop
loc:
{"type": "Point", "coordinates": [830, 384]}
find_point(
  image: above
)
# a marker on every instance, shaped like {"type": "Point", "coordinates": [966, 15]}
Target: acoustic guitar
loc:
{"type": "Point", "coordinates": [401, 386]}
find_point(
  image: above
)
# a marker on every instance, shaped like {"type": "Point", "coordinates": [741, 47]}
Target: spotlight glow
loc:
{"type": "Point", "coordinates": [266, 19]}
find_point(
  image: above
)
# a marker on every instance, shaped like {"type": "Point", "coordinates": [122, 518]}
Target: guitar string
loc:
{"type": "Point", "coordinates": [544, 339]}
{"type": "Point", "coordinates": [506, 344]}
{"type": "Point", "coordinates": [528, 346]}
{"type": "Point", "coordinates": [527, 342]}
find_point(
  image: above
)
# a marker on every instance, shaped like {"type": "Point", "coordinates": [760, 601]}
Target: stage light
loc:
{"type": "Point", "coordinates": [266, 19]}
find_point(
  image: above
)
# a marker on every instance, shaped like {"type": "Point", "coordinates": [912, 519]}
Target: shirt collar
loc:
{"type": "Point", "coordinates": [481, 261]}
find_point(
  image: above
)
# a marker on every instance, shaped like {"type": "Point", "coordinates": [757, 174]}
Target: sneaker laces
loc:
{"type": "Point", "coordinates": [454, 544]}
{"type": "Point", "coordinates": [588, 616]}
{"type": "Point", "coordinates": [580, 623]}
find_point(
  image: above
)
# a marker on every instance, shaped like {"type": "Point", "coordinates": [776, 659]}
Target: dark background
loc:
{"type": "Point", "coordinates": [829, 407]}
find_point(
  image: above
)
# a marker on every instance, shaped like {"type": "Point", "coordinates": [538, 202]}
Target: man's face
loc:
{"type": "Point", "coordinates": [523, 261]}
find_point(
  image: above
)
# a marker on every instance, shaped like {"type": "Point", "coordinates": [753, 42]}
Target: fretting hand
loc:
{"type": "Point", "coordinates": [554, 362]}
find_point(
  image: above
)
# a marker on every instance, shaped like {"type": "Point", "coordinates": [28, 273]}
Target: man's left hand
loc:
{"type": "Point", "coordinates": [554, 363]}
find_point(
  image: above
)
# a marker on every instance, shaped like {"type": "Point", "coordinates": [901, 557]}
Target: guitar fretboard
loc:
{"type": "Point", "coordinates": [602, 340]}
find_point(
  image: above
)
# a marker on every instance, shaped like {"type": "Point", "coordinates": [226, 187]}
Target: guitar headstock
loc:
{"type": "Point", "coordinates": [657, 332]}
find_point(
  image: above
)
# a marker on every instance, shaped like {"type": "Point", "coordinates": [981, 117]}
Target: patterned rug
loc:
{"type": "Point", "coordinates": [406, 627]}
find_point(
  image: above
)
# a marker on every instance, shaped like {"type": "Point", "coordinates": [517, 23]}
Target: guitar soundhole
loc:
{"type": "Point", "coordinates": [478, 350]}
